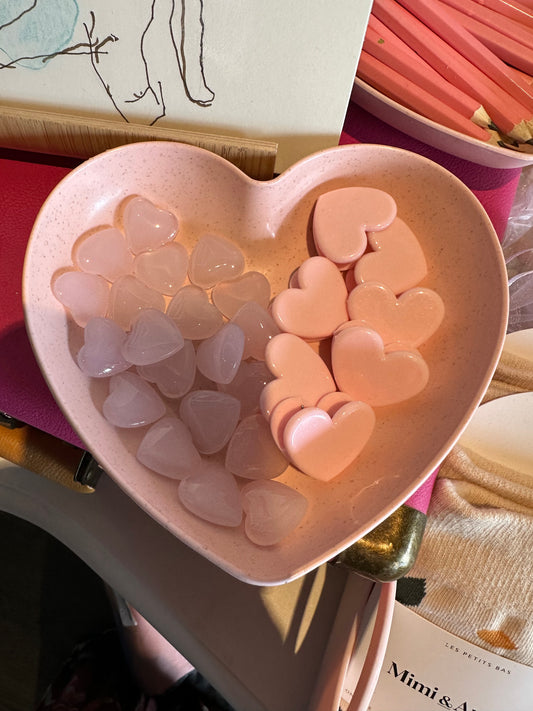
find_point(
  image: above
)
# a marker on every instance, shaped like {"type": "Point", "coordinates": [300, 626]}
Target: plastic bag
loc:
{"type": "Point", "coordinates": [517, 248]}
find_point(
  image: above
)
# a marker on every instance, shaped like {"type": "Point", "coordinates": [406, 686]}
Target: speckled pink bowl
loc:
{"type": "Point", "coordinates": [271, 221]}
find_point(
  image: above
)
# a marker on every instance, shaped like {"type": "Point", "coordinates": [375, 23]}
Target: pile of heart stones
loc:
{"type": "Point", "coordinates": [225, 382]}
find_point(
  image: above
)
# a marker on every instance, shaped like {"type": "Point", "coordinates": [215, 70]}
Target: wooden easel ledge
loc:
{"type": "Point", "coordinates": [62, 134]}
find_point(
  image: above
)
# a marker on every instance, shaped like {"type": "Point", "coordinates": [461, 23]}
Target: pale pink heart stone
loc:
{"type": "Point", "coordinates": [343, 217]}
{"type": "Point", "coordinates": [229, 296]}
{"type": "Point", "coordinates": [279, 417]}
{"type": "Point", "coordinates": [412, 318]}
{"type": "Point", "coordinates": [259, 328]}
{"type": "Point", "coordinates": [196, 317]}
{"type": "Point", "coordinates": [252, 453]}
{"type": "Point", "coordinates": [167, 448]}
{"type": "Point", "coordinates": [128, 297]}
{"type": "Point", "coordinates": [211, 417]}
{"type": "Point", "coordinates": [397, 260]}
{"type": "Point", "coordinates": [247, 385]}
{"type": "Point", "coordinates": [147, 226]}
{"type": "Point", "coordinates": [154, 336]}
{"type": "Point", "coordinates": [298, 370]}
{"type": "Point", "coordinates": [219, 357]}
{"type": "Point", "coordinates": [104, 252]}
{"type": "Point", "coordinates": [101, 356]}
{"type": "Point", "coordinates": [164, 269]}
{"type": "Point", "coordinates": [212, 494]}
{"type": "Point", "coordinates": [317, 306]}
{"type": "Point", "coordinates": [273, 511]}
{"type": "Point", "coordinates": [174, 376]}
{"type": "Point", "coordinates": [213, 259]}
{"type": "Point", "coordinates": [85, 296]}
{"type": "Point", "coordinates": [132, 402]}
{"type": "Point", "coordinates": [322, 446]}
{"type": "Point", "coordinates": [379, 375]}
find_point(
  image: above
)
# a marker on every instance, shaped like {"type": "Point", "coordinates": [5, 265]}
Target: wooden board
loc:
{"type": "Point", "coordinates": [60, 134]}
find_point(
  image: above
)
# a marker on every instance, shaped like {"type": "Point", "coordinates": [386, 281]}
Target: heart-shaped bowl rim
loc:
{"type": "Point", "coordinates": [271, 221]}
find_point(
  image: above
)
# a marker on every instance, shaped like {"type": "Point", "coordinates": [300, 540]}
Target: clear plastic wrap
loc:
{"type": "Point", "coordinates": [517, 247]}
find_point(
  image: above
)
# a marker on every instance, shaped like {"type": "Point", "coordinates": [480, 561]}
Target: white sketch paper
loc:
{"type": "Point", "coordinates": [268, 70]}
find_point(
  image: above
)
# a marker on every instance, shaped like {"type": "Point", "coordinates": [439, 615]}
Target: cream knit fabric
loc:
{"type": "Point", "coordinates": [474, 572]}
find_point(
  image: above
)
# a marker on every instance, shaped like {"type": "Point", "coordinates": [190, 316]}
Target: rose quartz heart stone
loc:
{"type": "Point", "coordinates": [101, 354]}
{"type": "Point", "coordinates": [132, 402]}
{"type": "Point", "coordinates": [146, 225]}
{"type": "Point", "coordinates": [212, 494]}
{"type": "Point", "coordinates": [167, 448]}
{"type": "Point", "coordinates": [103, 252]}
{"type": "Point", "coordinates": [273, 511]}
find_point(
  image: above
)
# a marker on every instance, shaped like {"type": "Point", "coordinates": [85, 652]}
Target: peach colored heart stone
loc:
{"type": "Point", "coordinates": [317, 306]}
{"type": "Point", "coordinates": [323, 446]}
{"type": "Point", "coordinates": [367, 371]}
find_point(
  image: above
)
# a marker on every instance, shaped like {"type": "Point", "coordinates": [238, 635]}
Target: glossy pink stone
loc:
{"type": "Point", "coordinates": [323, 446]}
{"type": "Point", "coordinates": [412, 318]}
{"type": "Point", "coordinates": [258, 327]}
{"type": "Point", "coordinates": [273, 511]}
{"type": "Point", "coordinates": [343, 217]}
{"type": "Point", "coordinates": [279, 417]}
{"type": "Point", "coordinates": [219, 357]}
{"type": "Point", "coordinates": [247, 385]}
{"type": "Point", "coordinates": [167, 448]}
{"type": "Point", "coordinates": [252, 453]}
{"type": "Point", "coordinates": [379, 375]}
{"type": "Point", "coordinates": [211, 417]}
{"type": "Point", "coordinates": [174, 376]}
{"type": "Point", "coordinates": [85, 296]}
{"type": "Point", "coordinates": [128, 297]}
{"type": "Point", "coordinates": [196, 317]}
{"type": "Point", "coordinates": [164, 269]}
{"type": "Point", "coordinates": [298, 370]}
{"type": "Point", "coordinates": [229, 296]}
{"type": "Point", "coordinates": [101, 355]}
{"type": "Point", "coordinates": [317, 306]}
{"type": "Point", "coordinates": [397, 260]}
{"type": "Point", "coordinates": [147, 226]}
{"type": "Point", "coordinates": [214, 259]}
{"type": "Point", "coordinates": [212, 494]}
{"type": "Point", "coordinates": [104, 252]}
{"type": "Point", "coordinates": [132, 402]}
{"type": "Point", "coordinates": [154, 336]}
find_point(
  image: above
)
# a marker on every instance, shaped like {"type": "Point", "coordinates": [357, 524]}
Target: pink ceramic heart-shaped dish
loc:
{"type": "Point", "coordinates": [272, 223]}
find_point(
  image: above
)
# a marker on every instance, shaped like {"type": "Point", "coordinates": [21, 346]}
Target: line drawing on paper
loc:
{"type": "Point", "coordinates": [120, 46]}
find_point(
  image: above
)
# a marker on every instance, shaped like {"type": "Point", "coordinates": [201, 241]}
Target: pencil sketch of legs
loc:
{"type": "Point", "coordinates": [121, 65]}
{"type": "Point", "coordinates": [128, 68]}
{"type": "Point", "coordinates": [124, 41]}
{"type": "Point", "coordinates": [187, 31]}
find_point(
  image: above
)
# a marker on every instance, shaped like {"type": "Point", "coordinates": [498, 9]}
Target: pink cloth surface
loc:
{"type": "Point", "coordinates": [25, 182]}
{"type": "Point", "coordinates": [24, 394]}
